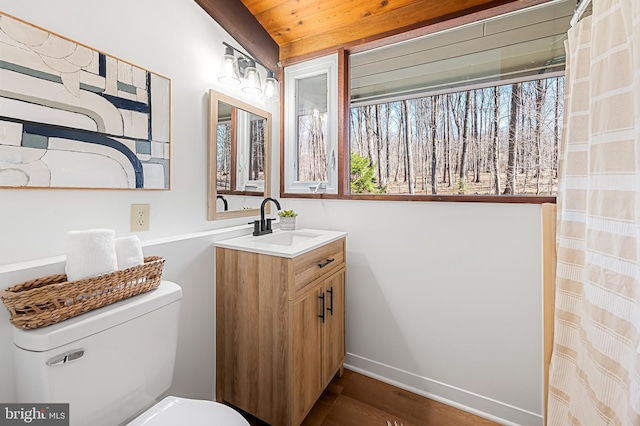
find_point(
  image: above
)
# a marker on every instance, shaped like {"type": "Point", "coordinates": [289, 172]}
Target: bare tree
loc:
{"type": "Point", "coordinates": [556, 129]}
{"type": "Point", "coordinates": [423, 144]}
{"type": "Point", "coordinates": [370, 139]}
{"type": "Point", "coordinates": [401, 132]}
{"type": "Point", "coordinates": [541, 89]}
{"type": "Point", "coordinates": [407, 143]}
{"type": "Point", "coordinates": [477, 154]}
{"type": "Point", "coordinates": [434, 146]}
{"type": "Point", "coordinates": [256, 158]}
{"type": "Point", "coordinates": [446, 174]}
{"type": "Point", "coordinates": [356, 125]}
{"type": "Point", "coordinates": [465, 137]}
{"type": "Point", "coordinates": [495, 146]}
{"type": "Point", "coordinates": [378, 130]}
{"type": "Point", "coordinates": [513, 135]}
{"type": "Point", "coordinates": [386, 147]}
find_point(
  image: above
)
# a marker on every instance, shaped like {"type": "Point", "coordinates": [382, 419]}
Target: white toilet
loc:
{"type": "Point", "coordinates": [111, 364]}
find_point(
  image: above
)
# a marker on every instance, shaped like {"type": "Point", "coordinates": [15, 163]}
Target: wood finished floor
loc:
{"type": "Point", "coordinates": [357, 400]}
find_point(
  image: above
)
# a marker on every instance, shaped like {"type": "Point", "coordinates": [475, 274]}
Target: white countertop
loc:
{"type": "Point", "coordinates": [282, 243]}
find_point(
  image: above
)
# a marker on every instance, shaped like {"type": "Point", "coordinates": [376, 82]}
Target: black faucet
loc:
{"type": "Point", "coordinates": [226, 206]}
{"type": "Point", "coordinates": [263, 226]}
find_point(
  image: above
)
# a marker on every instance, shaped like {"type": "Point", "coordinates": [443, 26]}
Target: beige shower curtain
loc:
{"type": "Point", "coordinates": [595, 366]}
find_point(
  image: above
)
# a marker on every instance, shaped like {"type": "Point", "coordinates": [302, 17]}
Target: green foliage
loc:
{"type": "Point", "coordinates": [460, 186]}
{"type": "Point", "coordinates": [363, 176]}
{"type": "Point", "coordinates": [287, 213]}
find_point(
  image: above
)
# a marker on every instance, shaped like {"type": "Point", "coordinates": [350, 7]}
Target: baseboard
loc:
{"type": "Point", "coordinates": [470, 402]}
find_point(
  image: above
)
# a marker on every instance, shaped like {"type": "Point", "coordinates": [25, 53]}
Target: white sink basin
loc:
{"type": "Point", "coordinates": [282, 243]}
{"type": "Point", "coordinates": [289, 239]}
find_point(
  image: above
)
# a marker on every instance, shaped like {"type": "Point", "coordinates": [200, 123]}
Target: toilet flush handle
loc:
{"type": "Point", "coordinates": [65, 357]}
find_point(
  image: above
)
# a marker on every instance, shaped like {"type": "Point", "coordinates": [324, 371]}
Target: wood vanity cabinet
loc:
{"type": "Point", "coordinates": [279, 330]}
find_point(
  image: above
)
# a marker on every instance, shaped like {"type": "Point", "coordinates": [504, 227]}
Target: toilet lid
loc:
{"type": "Point", "coordinates": [173, 411]}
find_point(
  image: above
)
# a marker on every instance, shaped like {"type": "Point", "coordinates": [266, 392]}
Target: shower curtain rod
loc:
{"type": "Point", "coordinates": [579, 11]}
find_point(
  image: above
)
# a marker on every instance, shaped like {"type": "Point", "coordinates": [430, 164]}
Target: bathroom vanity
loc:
{"type": "Point", "coordinates": [279, 321]}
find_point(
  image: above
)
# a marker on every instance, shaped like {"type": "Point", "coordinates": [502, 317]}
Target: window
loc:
{"type": "Point", "coordinates": [311, 133]}
{"type": "Point", "coordinates": [250, 155]}
{"type": "Point", "coordinates": [465, 142]}
{"type": "Point", "coordinates": [476, 110]}
{"type": "Point", "coordinates": [472, 110]}
{"type": "Point", "coordinates": [240, 147]}
{"type": "Point", "coordinates": [256, 155]}
{"type": "Point", "coordinates": [224, 138]}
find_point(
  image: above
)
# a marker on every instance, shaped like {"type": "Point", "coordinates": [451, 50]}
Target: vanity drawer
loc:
{"type": "Point", "coordinates": [317, 263]}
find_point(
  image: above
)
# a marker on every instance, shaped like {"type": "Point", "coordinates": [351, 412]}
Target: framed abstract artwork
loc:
{"type": "Point", "coordinates": [75, 117]}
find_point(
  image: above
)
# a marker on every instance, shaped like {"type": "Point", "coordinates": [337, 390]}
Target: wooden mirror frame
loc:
{"type": "Point", "coordinates": [214, 98]}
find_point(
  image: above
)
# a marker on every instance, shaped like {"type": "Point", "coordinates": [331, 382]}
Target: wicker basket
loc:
{"type": "Point", "coordinates": [49, 300]}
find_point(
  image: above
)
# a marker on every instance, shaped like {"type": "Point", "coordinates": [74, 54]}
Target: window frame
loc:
{"type": "Point", "coordinates": [243, 151]}
{"type": "Point", "coordinates": [324, 65]}
{"type": "Point", "coordinates": [239, 182]}
{"type": "Point", "coordinates": [344, 105]}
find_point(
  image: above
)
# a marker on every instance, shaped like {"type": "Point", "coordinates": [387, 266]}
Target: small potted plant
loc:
{"type": "Point", "coordinates": [287, 220]}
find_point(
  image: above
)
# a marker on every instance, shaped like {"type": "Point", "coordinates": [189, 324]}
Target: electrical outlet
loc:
{"type": "Point", "coordinates": [140, 217]}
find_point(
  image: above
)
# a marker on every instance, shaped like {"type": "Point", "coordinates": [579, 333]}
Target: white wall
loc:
{"type": "Point", "coordinates": [442, 298]}
{"type": "Point", "coordinates": [189, 262]}
{"type": "Point", "coordinates": [176, 39]}
{"type": "Point", "coordinates": [180, 41]}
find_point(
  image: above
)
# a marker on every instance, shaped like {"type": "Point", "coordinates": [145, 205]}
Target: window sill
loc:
{"type": "Point", "coordinates": [498, 199]}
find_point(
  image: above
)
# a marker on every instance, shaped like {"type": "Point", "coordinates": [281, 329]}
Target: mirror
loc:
{"type": "Point", "coordinates": [239, 157]}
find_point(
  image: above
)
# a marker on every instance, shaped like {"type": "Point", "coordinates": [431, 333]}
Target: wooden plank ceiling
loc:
{"type": "Point", "coordinates": [302, 27]}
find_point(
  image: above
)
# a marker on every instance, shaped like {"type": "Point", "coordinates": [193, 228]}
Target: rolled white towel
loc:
{"type": "Point", "coordinates": [90, 253]}
{"type": "Point", "coordinates": [129, 252]}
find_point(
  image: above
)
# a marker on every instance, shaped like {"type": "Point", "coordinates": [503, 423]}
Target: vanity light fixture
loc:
{"type": "Point", "coordinates": [271, 89]}
{"type": "Point", "coordinates": [251, 82]}
{"type": "Point", "coordinates": [238, 67]}
{"type": "Point", "coordinates": [230, 73]}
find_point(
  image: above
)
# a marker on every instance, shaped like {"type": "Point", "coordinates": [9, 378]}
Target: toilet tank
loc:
{"type": "Point", "coordinates": [108, 364]}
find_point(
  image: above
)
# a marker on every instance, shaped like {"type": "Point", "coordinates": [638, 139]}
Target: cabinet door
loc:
{"type": "Point", "coordinates": [306, 352]}
{"type": "Point", "coordinates": [334, 351]}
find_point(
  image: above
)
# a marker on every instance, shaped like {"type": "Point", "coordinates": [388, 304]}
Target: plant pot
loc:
{"type": "Point", "coordinates": [287, 223]}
